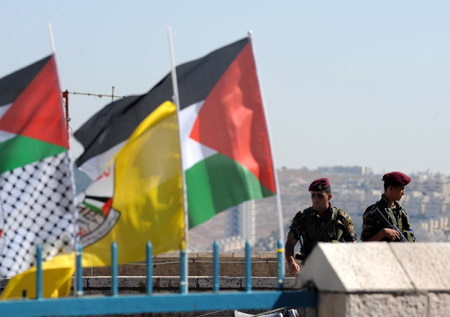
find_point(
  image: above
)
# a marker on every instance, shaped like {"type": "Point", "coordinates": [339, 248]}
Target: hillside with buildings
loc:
{"type": "Point", "coordinates": [427, 201]}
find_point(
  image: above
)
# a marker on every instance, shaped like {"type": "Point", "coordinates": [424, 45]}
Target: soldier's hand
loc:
{"type": "Point", "coordinates": [294, 268]}
{"type": "Point", "coordinates": [391, 234]}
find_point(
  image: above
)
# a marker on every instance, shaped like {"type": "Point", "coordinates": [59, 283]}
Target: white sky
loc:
{"type": "Point", "coordinates": [345, 82]}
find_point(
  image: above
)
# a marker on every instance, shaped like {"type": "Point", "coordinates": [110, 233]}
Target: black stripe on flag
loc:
{"type": "Point", "coordinates": [117, 121]}
{"type": "Point", "coordinates": [12, 85]}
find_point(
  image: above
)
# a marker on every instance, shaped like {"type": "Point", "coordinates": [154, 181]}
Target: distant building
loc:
{"type": "Point", "coordinates": [240, 227]}
{"type": "Point", "coordinates": [414, 203]}
{"type": "Point", "coordinates": [429, 182]}
{"type": "Point", "coordinates": [351, 170]}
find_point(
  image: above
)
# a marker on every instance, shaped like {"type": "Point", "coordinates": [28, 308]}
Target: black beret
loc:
{"type": "Point", "coordinates": [319, 185]}
{"type": "Point", "coordinates": [396, 179]}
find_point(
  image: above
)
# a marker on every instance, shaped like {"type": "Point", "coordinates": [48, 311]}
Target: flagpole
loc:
{"type": "Point", "coordinates": [77, 237]}
{"type": "Point", "coordinates": [277, 184]}
{"type": "Point", "coordinates": [176, 98]}
{"type": "Point", "coordinates": [50, 36]}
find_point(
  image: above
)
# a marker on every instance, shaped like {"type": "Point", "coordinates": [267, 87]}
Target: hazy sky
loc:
{"type": "Point", "coordinates": [344, 82]}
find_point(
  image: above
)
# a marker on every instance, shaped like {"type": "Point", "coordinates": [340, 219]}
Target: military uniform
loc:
{"type": "Point", "coordinates": [309, 227]}
{"type": "Point", "coordinates": [396, 215]}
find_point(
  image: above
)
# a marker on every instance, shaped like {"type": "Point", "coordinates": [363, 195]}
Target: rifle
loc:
{"type": "Point", "coordinates": [387, 224]}
{"type": "Point", "coordinates": [299, 232]}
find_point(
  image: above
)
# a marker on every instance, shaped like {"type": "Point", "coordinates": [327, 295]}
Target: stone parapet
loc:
{"type": "Point", "coordinates": [379, 279]}
{"type": "Point", "coordinates": [101, 285]}
{"type": "Point", "coordinates": [264, 264]}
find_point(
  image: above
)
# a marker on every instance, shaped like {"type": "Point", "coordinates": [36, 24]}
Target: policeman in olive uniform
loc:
{"type": "Point", "coordinates": [373, 228]}
{"type": "Point", "coordinates": [319, 223]}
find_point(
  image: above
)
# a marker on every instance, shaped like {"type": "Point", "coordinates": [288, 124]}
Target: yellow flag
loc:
{"type": "Point", "coordinates": [147, 193]}
{"type": "Point", "coordinates": [56, 276]}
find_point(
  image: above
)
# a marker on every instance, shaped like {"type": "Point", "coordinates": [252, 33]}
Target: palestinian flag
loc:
{"type": "Point", "coordinates": [225, 148]}
{"type": "Point", "coordinates": [36, 188]}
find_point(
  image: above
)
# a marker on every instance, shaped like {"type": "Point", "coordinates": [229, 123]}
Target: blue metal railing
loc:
{"type": "Point", "coordinates": [280, 264]}
{"type": "Point", "coordinates": [149, 257]}
{"type": "Point", "coordinates": [216, 273]}
{"type": "Point", "coordinates": [159, 303]}
{"type": "Point", "coordinates": [39, 272]}
{"type": "Point", "coordinates": [183, 273]}
{"type": "Point", "coordinates": [248, 267]}
{"type": "Point", "coordinates": [79, 272]}
{"type": "Point", "coordinates": [114, 270]}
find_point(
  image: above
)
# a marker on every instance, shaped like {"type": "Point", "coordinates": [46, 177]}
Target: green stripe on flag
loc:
{"type": "Point", "coordinates": [218, 183]}
{"type": "Point", "coordinates": [21, 150]}
{"type": "Point", "coordinates": [94, 209]}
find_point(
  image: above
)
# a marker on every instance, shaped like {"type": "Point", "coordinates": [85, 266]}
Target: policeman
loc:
{"type": "Point", "coordinates": [373, 228]}
{"type": "Point", "coordinates": [320, 222]}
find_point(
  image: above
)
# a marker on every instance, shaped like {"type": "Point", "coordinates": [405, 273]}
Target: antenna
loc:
{"type": "Point", "coordinates": [65, 95]}
{"type": "Point", "coordinates": [94, 94]}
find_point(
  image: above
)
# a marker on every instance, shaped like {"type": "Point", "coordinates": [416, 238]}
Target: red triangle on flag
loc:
{"type": "Point", "coordinates": [37, 112]}
{"type": "Point", "coordinates": [232, 122]}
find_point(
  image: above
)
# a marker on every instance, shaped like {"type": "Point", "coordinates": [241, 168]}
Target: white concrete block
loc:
{"type": "Point", "coordinates": [426, 264]}
{"type": "Point", "coordinates": [230, 282]}
{"type": "Point", "coordinates": [205, 282]}
{"type": "Point", "coordinates": [378, 267]}
{"type": "Point", "coordinates": [332, 304]}
{"type": "Point", "coordinates": [439, 304]}
{"type": "Point", "coordinates": [132, 282]}
{"type": "Point", "coordinates": [348, 267]}
{"type": "Point", "coordinates": [385, 305]}
{"type": "Point", "coordinates": [265, 282]}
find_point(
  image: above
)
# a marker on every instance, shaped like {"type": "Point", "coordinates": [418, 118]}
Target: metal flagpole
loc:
{"type": "Point", "coordinates": [277, 184]}
{"type": "Point", "coordinates": [176, 98]}
{"type": "Point", "coordinates": [77, 237]}
{"type": "Point", "coordinates": [50, 35]}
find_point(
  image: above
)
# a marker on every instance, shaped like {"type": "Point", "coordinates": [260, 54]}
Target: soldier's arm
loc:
{"type": "Point", "coordinates": [391, 234]}
{"type": "Point", "coordinates": [372, 233]}
{"type": "Point", "coordinates": [349, 230]}
{"type": "Point", "coordinates": [289, 246]}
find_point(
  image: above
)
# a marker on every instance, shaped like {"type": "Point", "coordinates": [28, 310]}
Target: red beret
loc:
{"type": "Point", "coordinates": [396, 179]}
{"type": "Point", "coordinates": [319, 185]}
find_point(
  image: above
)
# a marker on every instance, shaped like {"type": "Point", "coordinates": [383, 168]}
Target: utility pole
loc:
{"type": "Point", "coordinates": [65, 95]}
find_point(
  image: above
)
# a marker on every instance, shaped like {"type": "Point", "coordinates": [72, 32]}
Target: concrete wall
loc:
{"type": "Point", "coordinates": [166, 271]}
{"type": "Point", "coordinates": [380, 279]}
{"type": "Point", "coordinates": [101, 285]}
{"type": "Point", "coordinates": [264, 264]}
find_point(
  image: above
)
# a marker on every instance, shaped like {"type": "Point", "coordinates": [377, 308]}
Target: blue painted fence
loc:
{"type": "Point", "coordinates": [159, 303]}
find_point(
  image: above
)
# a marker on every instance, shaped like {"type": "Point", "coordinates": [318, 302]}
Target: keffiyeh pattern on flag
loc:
{"type": "Point", "coordinates": [36, 201]}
